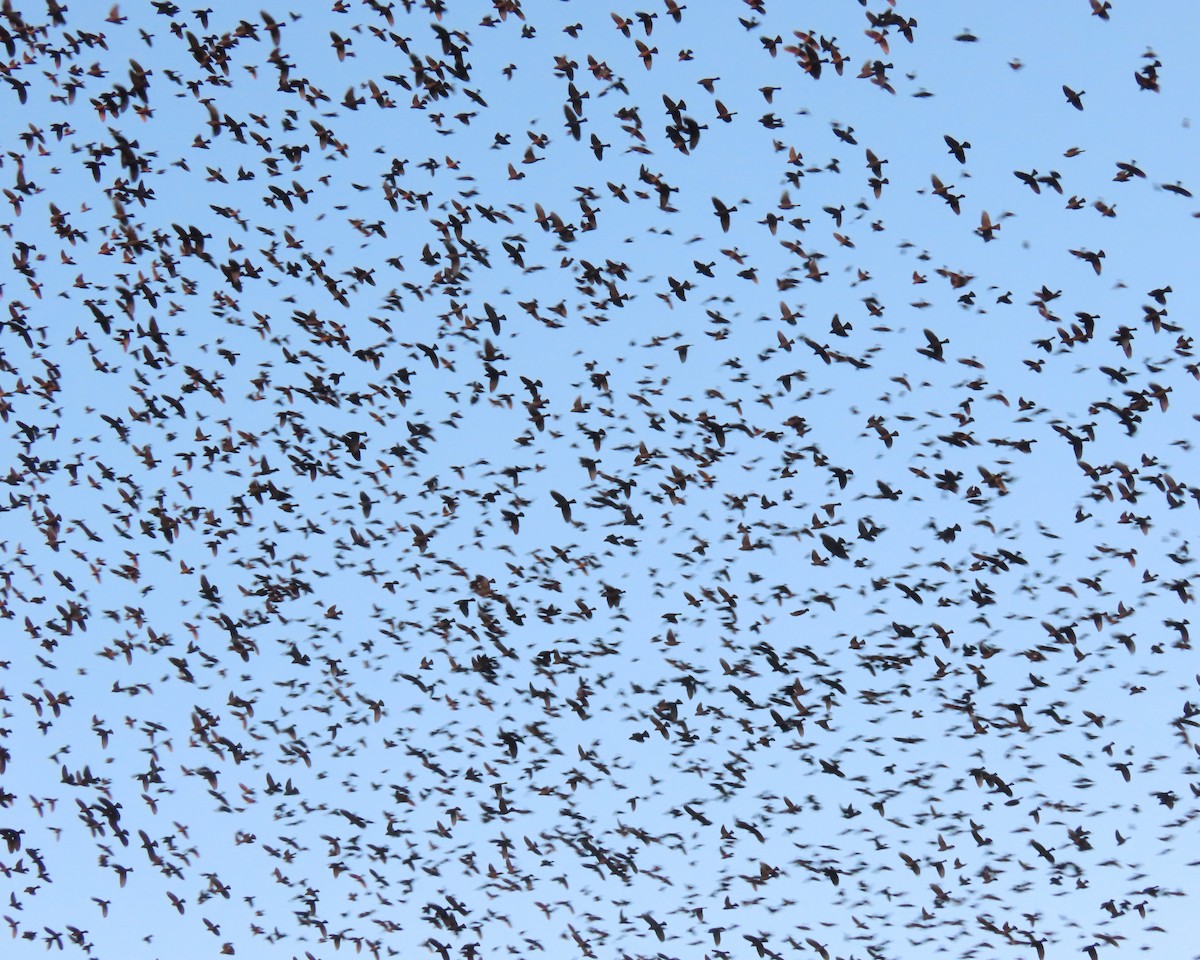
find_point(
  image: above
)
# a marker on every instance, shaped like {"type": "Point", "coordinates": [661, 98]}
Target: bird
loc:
{"type": "Point", "coordinates": [1092, 257]}
{"type": "Point", "coordinates": [563, 504]}
{"type": "Point", "coordinates": [934, 346]}
{"type": "Point", "coordinates": [957, 149]}
{"type": "Point", "coordinates": [987, 229]}
{"type": "Point", "coordinates": [722, 213]}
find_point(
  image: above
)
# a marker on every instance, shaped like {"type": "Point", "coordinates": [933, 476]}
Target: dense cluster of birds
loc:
{"type": "Point", "coordinates": [573, 492]}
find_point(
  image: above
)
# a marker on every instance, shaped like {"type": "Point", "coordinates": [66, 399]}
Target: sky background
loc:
{"type": "Point", "coordinates": [317, 315]}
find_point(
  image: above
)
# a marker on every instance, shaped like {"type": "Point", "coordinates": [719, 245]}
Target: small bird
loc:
{"type": "Point", "coordinates": [986, 228]}
{"type": "Point", "coordinates": [1073, 98]}
{"type": "Point", "coordinates": [563, 504]}
{"type": "Point", "coordinates": [957, 149]}
{"type": "Point", "coordinates": [722, 213]}
{"type": "Point", "coordinates": [1092, 257]}
{"type": "Point", "coordinates": [934, 347]}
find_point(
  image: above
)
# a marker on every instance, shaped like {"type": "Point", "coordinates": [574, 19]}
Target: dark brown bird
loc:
{"type": "Point", "coordinates": [957, 149]}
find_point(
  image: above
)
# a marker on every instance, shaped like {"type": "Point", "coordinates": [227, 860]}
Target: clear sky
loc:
{"type": "Point", "coordinates": [698, 481]}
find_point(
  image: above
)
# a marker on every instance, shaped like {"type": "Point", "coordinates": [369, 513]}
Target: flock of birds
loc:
{"type": "Point", "coordinates": [573, 492]}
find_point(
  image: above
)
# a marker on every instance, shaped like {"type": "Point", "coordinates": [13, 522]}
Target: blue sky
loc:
{"type": "Point", "coordinates": [866, 632]}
